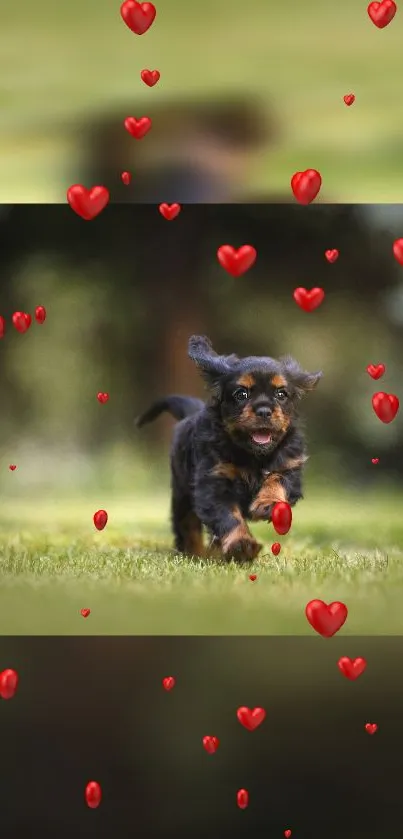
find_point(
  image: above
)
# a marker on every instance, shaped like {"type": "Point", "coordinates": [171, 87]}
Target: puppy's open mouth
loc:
{"type": "Point", "coordinates": [261, 438]}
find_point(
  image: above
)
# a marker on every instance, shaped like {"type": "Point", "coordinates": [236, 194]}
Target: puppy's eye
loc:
{"type": "Point", "coordinates": [281, 394]}
{"type": "Point", "coordinates": [240, 394]}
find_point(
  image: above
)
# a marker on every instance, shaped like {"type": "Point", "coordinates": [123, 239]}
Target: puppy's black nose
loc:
{"type": "Point", "coordinates": [263, 411]}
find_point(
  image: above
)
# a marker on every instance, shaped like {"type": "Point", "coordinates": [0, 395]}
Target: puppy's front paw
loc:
{"type": "Point", "coordinates": [260, 511]}
{"type": "Point", "coordinates": [241, 547]}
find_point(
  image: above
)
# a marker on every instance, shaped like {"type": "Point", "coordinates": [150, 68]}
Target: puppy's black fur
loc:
{"type": "Point", "coordinates": [239, 453]}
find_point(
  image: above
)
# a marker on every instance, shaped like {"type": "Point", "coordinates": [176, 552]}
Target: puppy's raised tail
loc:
{"type": "Point", "coordinates": [178, 406]}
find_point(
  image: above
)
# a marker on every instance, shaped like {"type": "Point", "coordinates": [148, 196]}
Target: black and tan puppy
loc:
{"type": "Point", "coordinates": [239, 453]}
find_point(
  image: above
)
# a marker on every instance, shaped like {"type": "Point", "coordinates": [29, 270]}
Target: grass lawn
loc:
{"type": "Point", "coordinates": [54, 563]}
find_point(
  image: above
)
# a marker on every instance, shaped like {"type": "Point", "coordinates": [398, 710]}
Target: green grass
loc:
{"type": "Point", "coordinates": [53, 563]}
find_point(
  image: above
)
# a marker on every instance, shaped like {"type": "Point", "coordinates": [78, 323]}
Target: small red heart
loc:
{"type": "Point", "coordinates": [382, 13]}
{"type": "Point", "coordinates": [398, 250]}
{"type": "Point", "coordinates": [371, 727]}
{"type": "Point", "coordinates": [138, 128]}
{"type": "Point", "coordinates": [385, 405]}
{"type": "Point", "coordinates": [287, 834]}
{"type": "Point", "coordinates": [252, 577]}
{"type": "Point", "coordinates": [100, 519]}
{"type": "Point", "coordinates": [281, 517]}
{"type": "Point", "coordinates": [150, 77]}
{"type": "Point", "coordinates": [349, 99]}
{"type": "Point", "coordinates": [12, 467]}
{"type": "Point", "coordinates": [2, 326]}
{"type": "Point", "coordinates": [85, 612]}
{"type": "Point", "coordinates": [236, 261]}
{"type": "Point", "coordinates": [87, 203]}
{"type": "Point", "coordinates": [102, 398]}
{"type": "Point", "coordinates": [332, 255]}
{"type": "Point", "coordinates": [250, 718]}
{"type": "Point", "coordinates": [308, 300]}
{"type": "Point", "coordinates": [211, 744]}
{"type": "Point", "coordinates": [242, 799]}
{"type": "Point", "coordinates": [375, 460]}
{"type": "Point", "coordinates": [138, 16]}
{"type": "Point", "coordinates": [168, 683]}
{"type": "Point", "coordinates": [276, 548]}
{"type": "Point", "coordinates": [40, 314]}
{"type": "Point", "coordinates": [326, 619]}
{"type": "Point", "coordinates": [8, 683]}
{"type": "Point", "coordinates": [93, 794]}
{"type": "Point", "coordinates": [351, 668]}
{"type": "Point", "coordinates": [21, 321]}
{"type": "Point", "coordinates": [169, 211]}
{"type": "Point", "coordinates": [126, 178]}
{"type": "Point", "coordinates": [306, 185]}
{"type": "Point", "coordinates": [376, 370]}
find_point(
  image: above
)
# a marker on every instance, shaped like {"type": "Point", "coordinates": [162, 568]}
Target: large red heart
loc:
{"type": "Point", "coordinates": [21, 321]}
{"type": "Point", "coordinates": [382, 13]}
{"type": "Point", "coordinates": [398, 250]}
{"type": "Point", "coordinates": [169, 211]}
{"type": "Point", "coordinates": [306, 185]}
{"type": "Point", "coordinates": [326, 619]}
{"type": "Point", "coordinates": [250, 718]}
{"type": "Point", "coordinates": [371, 727]}
{"type": "Point", "coordinates": [87, 203]}
{"type": "Point", "coordinates": [349, 99]}
{"type": "Point", "coordinates": [210, 744]}
{"type": "Point", "coordinates": [8, 683]}
{"type": "Point", "coordinates": [138, 128]}
{"type": "Point", "coordinates": [376, 370]}
{"type": "Point", "coordinates": [138, 16]}
{"type": "Point", "coordinates": [281, 517]}
{"type": "Point", "coordinates": [385, 405]}
{"type": "Point", "coordinates": [351, 667]}
{"type": "Point", "coordinates": [2, 326]}
{"type": "Point", "coordinates": [236, 261]}
{"type": "Point", "coordinates": [150, 77]}
{"type": "Point", "coordinates": [332, 255]}
{"type": "Point", "coordinates": [308, 300]}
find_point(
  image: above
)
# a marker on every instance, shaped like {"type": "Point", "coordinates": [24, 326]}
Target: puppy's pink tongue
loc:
{"type": "Point", "coordinates": [263, 439]}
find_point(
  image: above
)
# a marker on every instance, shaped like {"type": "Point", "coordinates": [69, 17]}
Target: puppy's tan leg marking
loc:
{"type": "Point", "coordinates": [270, 493]}
{"type": "Point", "coordinates": [239, 543]}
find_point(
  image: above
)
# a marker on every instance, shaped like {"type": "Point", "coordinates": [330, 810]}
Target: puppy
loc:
{"type": "Point", "coordinates": [239, 453]}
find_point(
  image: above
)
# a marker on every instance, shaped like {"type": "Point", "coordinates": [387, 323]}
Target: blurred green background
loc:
{"type": "Point", "coordinates": [123, 294]}
{"type": "Point", "coordinates": [71, 74]}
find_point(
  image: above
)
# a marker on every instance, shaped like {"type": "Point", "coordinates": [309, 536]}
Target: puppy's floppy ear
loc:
{"type": "Point", "coordinates": [211, 365]}
{"type": "Point", "coordinates": [301, 379]}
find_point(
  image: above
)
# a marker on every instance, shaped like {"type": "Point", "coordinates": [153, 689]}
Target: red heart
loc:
{"type": "Point", "coordinates": [126, 178]}
{"type": "Point", "coordinates": [168, 683]}
{"type": "Point", "coordinates": [12, 467]}
{"type": "Point", "coordinates": [87, 203]}
{"type": "Point", "coordinates": [309, 299]}
{"type": "Point", "coordinates": [385, 405]}
{"type": "Point", "coordinates": [93, 794]}
{"type": "Point", "coordinates": [40, 314]}
{"type": "Point", "coordinates": [252, 577]}
{"type": "Point", "coordinates": [306, 185]}
{"type": "Point", "coordinates": [281, 517]}
{"type": "Point", "coordinates": [85, 612]}
{"type": "Point", "coordinates": [398, 250]}
{"type": "Point", "coordinates": [276, 548]}
{"type": "Point", "coordinates": [351, 668]}
{"type": "Point", "coordinates": [138, 128]}
{"type": "Point", "coordinates": [102, 397]}
{"type": "Point", "coordinates": [8, 683]}
{"type": "Point", "coordinates": [236, 261]}
{"type": "Point", "coordinates": [21, 321]}
{"type": "Point", "coordinates": [242, 799]}
{"type": "Point", "coordinates": [349, 99]}
{"type": "Point", "coordinates": [371, 727]}
{"type": "Point", "coordinates": [169, 211]}
{"type": "Point", "coordinates": [382, 13]}
{"type": "Point", "coordinates": [287, 834]}
{"type": "Point", "coordinates": [375, 460]}
{"type": "Point", "coordinates": [250, 718]}
{"type": "Point", "coordinates": [2, 326]}
{"type": "Point", "coordinates": [326, 619]}
{"type": "Point", "coordinates": [138, 16]}
{"type": "Point", "coordinates": [150, 77]}
{"type": "Point", "coordinates": [211, 744]}
{"type": "Point", "coordinates": [332, 255]}
{"type": "Point", "coordinates": [100, 519]}
{"type": "Point", "coordinates": [376, 370]}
